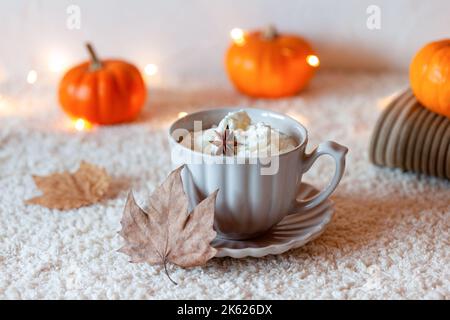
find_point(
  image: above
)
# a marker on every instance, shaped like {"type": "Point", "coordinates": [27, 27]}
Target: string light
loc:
{"type": "Point", "coordinates": [57, 62]}
{"type": "Point", "coordinates": [182, 114]}
{"type": "Point", "coordinates": [238, 36]}
{"type": "Point", "coordinates": [32, 76]}
{"type": "Point", "coordinates": [313, 60]}
{"type": "Point", "coordinates": [81, 124]}
{"type": "Point", "coordinates": [151, 69]}
{"type": "Point", "coordinates": [5, 106]}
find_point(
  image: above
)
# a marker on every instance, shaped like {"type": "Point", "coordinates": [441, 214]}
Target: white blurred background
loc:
{"type": "Point", "coordinates": [186, 39]}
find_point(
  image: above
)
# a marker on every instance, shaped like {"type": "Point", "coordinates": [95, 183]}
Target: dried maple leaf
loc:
{"type": "Point", "coordinates": [168, 232]}
{"type": "Point", "coordinates": [67, 190]}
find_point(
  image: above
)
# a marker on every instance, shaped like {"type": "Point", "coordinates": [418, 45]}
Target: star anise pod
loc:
{"type": "Point", "coordinates": [225, 142]}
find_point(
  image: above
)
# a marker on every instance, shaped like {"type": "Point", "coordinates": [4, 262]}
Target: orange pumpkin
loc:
{"type": "Point", "coordinates": [430, 76]}
{"type": "Point", "coordinates": [270, 65]}
{"type": "Point", "coordinates": [103, 92]}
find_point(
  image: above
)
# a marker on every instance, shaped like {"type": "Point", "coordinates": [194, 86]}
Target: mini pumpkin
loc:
{"type": "Point", "coordinates": [430, 76]}
{"type": "Point", "coordinates": [102, 92]}
{"type": "Point", "coordinates": [270, 65]}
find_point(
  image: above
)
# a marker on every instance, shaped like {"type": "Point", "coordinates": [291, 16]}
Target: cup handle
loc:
{"type": "Point", "coordinates": [338, 153]}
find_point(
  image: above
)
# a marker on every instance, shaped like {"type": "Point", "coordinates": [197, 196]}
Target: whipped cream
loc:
{"type": "Point", "coordinates": [253, 139]}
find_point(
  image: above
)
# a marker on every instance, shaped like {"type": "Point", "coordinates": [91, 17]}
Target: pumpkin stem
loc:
{"type": "Point", "coordinates": [96, 63]}
{"type": "Point", "coordinates": [269, 32]}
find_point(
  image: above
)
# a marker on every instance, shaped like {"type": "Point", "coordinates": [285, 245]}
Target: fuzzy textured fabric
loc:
{"type": "Point", "coordinates": [388, 239]}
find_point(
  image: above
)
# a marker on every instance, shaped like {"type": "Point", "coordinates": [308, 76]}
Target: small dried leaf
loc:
{"type": "Point", "coordinates": [67, 190]}
{"type": "Point", "coordinates": [168, 232]}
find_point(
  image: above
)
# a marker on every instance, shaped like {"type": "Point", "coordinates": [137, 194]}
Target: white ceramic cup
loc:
{"type": "Point", "coordinates": [250, 201]}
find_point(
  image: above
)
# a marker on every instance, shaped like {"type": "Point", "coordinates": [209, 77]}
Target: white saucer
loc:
{"type": "Point", "coordinates": [295, 230]}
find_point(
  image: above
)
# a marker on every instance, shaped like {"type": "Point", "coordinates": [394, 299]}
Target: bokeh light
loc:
{"type": "Point", "coordinates": [313, 60]}
{"type": "Point", "coordinates": [32, 76]}
{"type": "Point", "coordinates": [151, 69]}
{"type": "Point", "coordinates": [238, 36]}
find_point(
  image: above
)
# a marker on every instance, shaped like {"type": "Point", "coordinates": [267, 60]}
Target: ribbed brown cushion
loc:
{"type": "Point", "coordinates": [410, 137]}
